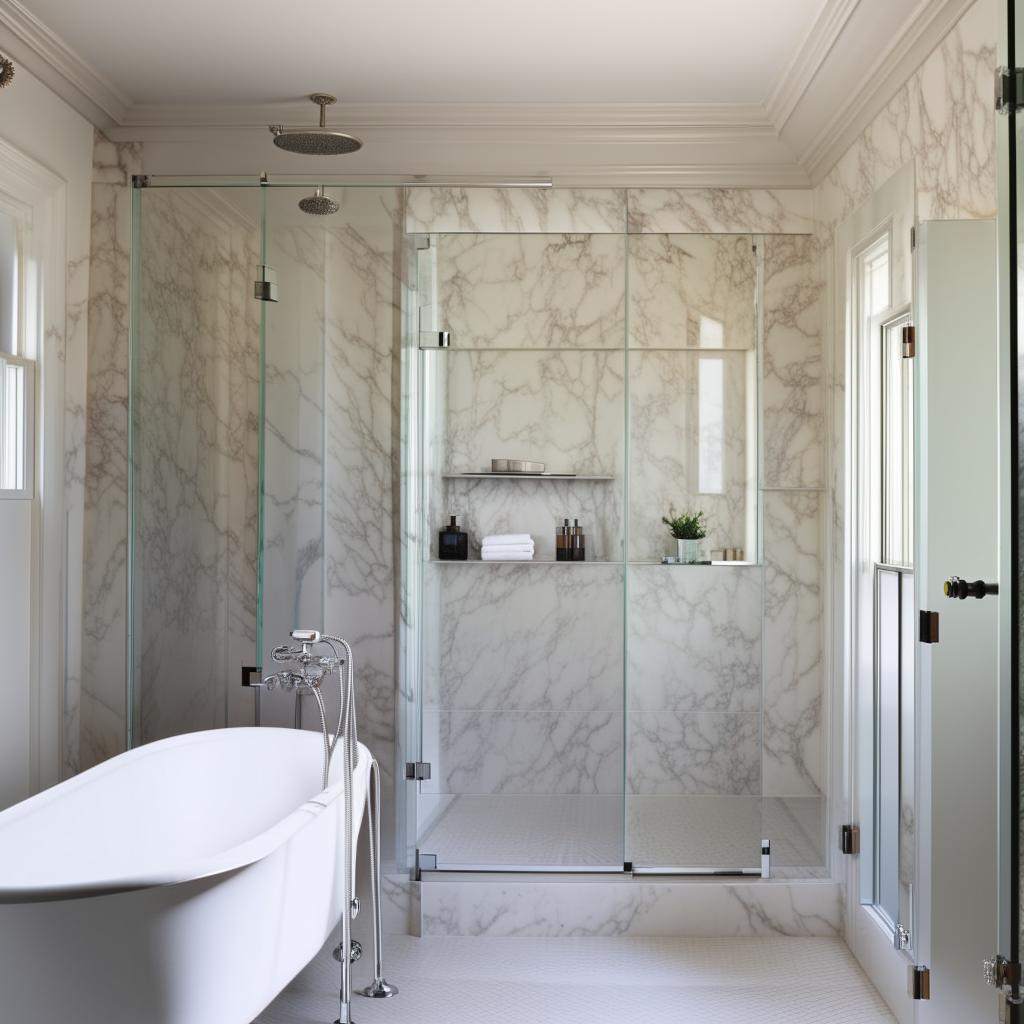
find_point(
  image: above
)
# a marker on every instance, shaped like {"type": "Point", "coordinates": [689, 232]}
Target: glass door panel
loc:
{"type": "Point", "coordinates": [520, 355]}
{"type": "Point", "coordinates": [193, 459]}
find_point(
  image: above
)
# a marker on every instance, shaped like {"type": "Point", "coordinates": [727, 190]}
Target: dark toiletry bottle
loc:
{"type": "Point", "coordinates": [563, 551]}
{"type": "Point", "coordinates": [453, 542]}
{"type": "Point", "coordinates": [579, 542]}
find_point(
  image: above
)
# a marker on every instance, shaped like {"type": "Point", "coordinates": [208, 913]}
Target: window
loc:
{"type": "Point", "coordinates": [17, 380]}
{"type": "Point", "coordinates": [711, 425]}
{"type": "Point", "coordinates": [897, 468]}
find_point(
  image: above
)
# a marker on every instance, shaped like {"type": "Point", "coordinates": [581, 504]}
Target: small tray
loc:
{"type": "Point", "coordinates": [517, 466]}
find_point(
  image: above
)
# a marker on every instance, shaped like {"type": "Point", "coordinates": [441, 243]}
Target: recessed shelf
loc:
{"type": "Point", "coordinates": [521, 476]}
{"type": "Point", "coordinates": [516, 561]}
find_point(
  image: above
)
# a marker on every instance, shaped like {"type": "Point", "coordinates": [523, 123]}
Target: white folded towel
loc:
{"type": "Point", "coordinates": [505, 555]}
{"type": "Point", "coordinates": [507, 538]}
{"type": "Point", "coordinates": [500, 550]}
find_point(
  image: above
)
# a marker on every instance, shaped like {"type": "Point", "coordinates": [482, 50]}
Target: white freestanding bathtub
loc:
{"type": "Point", "coordinates": [184, 882]}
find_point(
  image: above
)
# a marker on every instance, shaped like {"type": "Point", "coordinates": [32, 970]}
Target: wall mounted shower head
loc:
{"type": "Point", "coordinates": [317, 141]}
{"type": "Point", "coordinates": [318, 203]}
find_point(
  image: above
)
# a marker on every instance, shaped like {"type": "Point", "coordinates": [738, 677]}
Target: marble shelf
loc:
{"type": "Point", "coordinates": [570, 477]}
{"type": "Point", "coordinates": [516, 561]}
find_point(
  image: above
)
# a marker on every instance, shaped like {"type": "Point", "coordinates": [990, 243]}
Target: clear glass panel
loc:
{"type": "Point", "coordinates": [522, 661]}
{"type": "Point", "coordinates": [897, 455]}
{"type": "Point", "coordinates": [887, 742]}
{"type": "Point", "coordinates": [9, 264]}
{"type": "Point", "coordinates": [194, 459]}
{"type": "Point", "coordinates": [694, 688]}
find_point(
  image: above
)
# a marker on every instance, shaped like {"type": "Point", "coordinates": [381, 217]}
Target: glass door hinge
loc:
{"type": "Point", "coordinates": [1004, 975]}
{"type": "Point", "coordinates": [849, 839]}
{"type": "Point", "coordinates": [920, 982]}
{"type": "Point", "coordinates": [417, 771]}
{"type": "Point", "coordinates": [901, 938]}
{"type": "Point", "coordinates": [1009, 90]}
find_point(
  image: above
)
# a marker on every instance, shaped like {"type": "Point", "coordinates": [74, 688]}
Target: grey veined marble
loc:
{"type": "Point", "coordinates": [532, 291]}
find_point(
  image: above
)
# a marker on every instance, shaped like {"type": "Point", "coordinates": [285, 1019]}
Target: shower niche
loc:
{"type": "Point", "coordinates": [586, 716]}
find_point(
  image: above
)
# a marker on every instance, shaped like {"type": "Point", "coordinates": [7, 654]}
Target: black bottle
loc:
{"type": "Point", "coordinates": [579, 543]}
{"type": "Point", "coordinates": [563, 550]}
{"type": "Point", "coordinates": [453, 543]}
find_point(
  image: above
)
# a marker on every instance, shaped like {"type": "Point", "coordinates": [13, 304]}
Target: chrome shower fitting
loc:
{"type": "Point", "coordinates": [318, 204]}
{"type": "Point", "coordinates": [317, 141]}
{"type": "Point", "coordinates": [6, 70]}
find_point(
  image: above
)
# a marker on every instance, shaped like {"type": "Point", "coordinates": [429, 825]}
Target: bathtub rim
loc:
{"type": "Point", "coordinates": [225, 862]}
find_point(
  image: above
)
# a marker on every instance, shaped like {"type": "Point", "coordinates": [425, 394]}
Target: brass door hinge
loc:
{"type": "Point", "coordinates": [1009, 90]}
{"type": "Point", "coordinates": [909, 342]}
{"type": "Point", "coordinates": [929, 627]}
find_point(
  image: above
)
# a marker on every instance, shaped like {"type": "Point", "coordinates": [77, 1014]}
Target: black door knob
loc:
{"type": "Point", "coordinates": [957, 588]}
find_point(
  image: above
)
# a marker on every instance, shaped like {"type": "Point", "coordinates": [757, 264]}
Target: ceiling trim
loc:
{"type": "Point", "coordinates": [923, 31]}
{"type": "Point", "coordinates": [626, 115]}
{"type": "Point", "coordinates": [808, 60]}
{"type": "Point", "coordinates": [44, 53]}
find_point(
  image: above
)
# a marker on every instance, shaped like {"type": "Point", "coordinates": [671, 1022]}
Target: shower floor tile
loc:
{"type": "Point", "coordinates": [460, 980]}
{"type": "Point", "coordinates": [552, 831]}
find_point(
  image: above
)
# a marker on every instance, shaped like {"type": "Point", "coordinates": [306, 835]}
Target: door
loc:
{"type": "Point", "coordinates": [958, 539]}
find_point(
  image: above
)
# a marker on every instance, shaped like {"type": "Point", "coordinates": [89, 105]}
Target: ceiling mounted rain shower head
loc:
{"type": "Point", "coordinates": [318, 203]}
{"type": "Point", "coordinates": [6, 70]}
{"type": "Point", "coordinates": [318, 141]}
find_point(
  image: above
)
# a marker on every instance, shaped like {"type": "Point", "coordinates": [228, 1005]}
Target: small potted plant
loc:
{"type": "Point", "coordinates": [689, 529]}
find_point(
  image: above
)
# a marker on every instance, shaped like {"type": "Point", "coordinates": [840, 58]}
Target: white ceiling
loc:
{"type": "Point", "coordinates": [445, 51]}
{"type": "Point", "coordinates": [680, 90]}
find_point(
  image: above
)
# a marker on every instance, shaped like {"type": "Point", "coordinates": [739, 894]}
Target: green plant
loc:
{"type": "Point", "coordinates": [686, 526]}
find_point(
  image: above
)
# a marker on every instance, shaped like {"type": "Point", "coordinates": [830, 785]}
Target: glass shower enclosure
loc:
{"type": "Point", "coordinates": [292, 463]}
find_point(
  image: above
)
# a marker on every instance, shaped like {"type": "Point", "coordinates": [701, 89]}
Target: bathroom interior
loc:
{"type": "Point", "coordinates": [479, 542]}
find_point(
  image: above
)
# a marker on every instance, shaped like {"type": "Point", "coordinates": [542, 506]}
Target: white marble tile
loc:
{"type": "Point", "coordinates": [524, 751]}
{"type": "Point", "coordinates": [532, 291]}
{"type": "Point", "coordinates": [692, 291]}
{"type": "Point", "coordinates": [564, 409]}
{"type": "Point", "coordinates": [525, 637]}
{"type": "Point", "coordinates": [503, 980]}
{"type": "Point", "coordinates": [516, 210]}
{"type": "Point", "coordinates": [634, 908]}
{"type": "Point", "coordinates": [668, 442]}
{"type": "Point", "coordinates": [793, 388]}
{"type": "Point", "coordinates": [101, 723]}
{"type": "Point", "coordinates": [720, 211]}
{"type": "Point", "coordinates": [694, 752]}
{"type": "Point", "coordinates": [794, 675]}
{"type": "Point", "coordinates": [942, 121]}
{"type": "Point", "coordinates": [694, 638]}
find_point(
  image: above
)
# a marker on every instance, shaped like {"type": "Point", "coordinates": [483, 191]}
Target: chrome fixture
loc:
{"type": "Point", "coordinates": [318, 203]}
{"type": "Point", "coordinates": [265, 286]}
{"type": "Point", "coordinates": [6, 70]}
{"type": "Point", "coordinates": [305, 672]}
{"type": "Point", "coordinates": [318, 141]}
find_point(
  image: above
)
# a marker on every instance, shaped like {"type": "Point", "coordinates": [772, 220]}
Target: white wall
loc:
{"type": "Point", "coordinates": [38, 681]}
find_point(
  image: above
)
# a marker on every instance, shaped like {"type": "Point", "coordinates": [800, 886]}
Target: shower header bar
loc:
{"type": "Point", "coordinates": [265, 180]}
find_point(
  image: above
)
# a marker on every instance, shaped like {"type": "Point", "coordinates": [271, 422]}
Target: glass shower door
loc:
{"type": "Point", "coordinates": [517, 349]}
{"type": "Point", "coordinates": [193, 485]}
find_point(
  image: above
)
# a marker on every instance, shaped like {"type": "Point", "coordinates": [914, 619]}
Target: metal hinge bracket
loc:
{"type": "Point", "coordinates": [909, 341]}
{"type": "Point", "coordinates": [920, 982]}
{"type": "Point", "coordinates": [929, 627]}
{"type": "Point", "coordinates": [849, 839]}
{"type": "Point", "coordinates": [1009, 90]}
{"type": "Point", "coordinates": [1005, 975]}
{"type": "Point", "coordinates": [417, 771]}
{"type": "Point", "coordinates": [913, 238]}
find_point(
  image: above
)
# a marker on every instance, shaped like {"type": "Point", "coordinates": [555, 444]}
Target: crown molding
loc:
{"type": "Point", "coordinates": [45, 54]}
{"type": "Point", "coordinates": [443, 115]}
{"type": "Point", "coordinates": [930, 22]}
{"type": "Point", "coordinates": [808, 60]}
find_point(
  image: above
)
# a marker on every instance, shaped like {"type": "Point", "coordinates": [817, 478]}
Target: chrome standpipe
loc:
{"type": "Point", "coordinates": [380, 988]}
